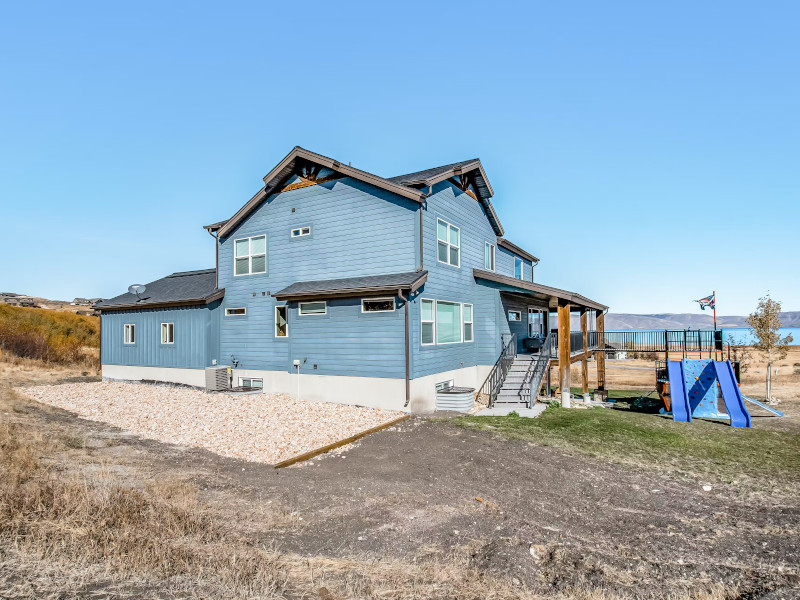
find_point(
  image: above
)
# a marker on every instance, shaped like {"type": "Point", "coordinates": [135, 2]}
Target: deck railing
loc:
{"type": "Point", "coordinates": [497, 376]}
{"type": "Point", "coordinates": [685, 341]}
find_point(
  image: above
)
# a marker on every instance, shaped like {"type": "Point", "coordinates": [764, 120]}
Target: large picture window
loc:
{"type": "Point", "coordinates": [449, 243]}
{"type": "Point", "coordinates": [444, 322]}
{"type": "Point", "coordinates": [250, 255]}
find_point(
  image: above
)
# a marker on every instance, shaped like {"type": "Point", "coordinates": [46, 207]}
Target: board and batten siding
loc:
{"type": "Point", "coordinates": [457, 284]}
{"type": "Point", "coordinates": [356, 229]}
{"type": "Point", "coordinates": [196, 330]}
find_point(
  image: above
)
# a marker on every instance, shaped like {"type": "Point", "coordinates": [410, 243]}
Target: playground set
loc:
{"type": "Point", "coordinates": [704, 389]}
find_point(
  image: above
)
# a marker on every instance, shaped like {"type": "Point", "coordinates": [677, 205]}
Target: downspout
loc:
{"type": "Point", "coordinates": [421, 251]}
{"type": "Point", "coordinates": [408, 353]}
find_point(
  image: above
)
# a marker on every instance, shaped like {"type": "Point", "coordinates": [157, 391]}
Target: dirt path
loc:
{"type": "Point", "coordinates": [546, 521]}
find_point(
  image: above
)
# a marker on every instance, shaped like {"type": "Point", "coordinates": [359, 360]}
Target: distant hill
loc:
{"type": "Point", "coordinates": [616, 321]}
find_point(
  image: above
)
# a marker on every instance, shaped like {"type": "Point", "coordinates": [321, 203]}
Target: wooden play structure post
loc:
{"type": "Point", "coordinates": [585, 359]}
{"type": "Point", "coordinates": [563, 354]}
{"type": "Point", "coordinates": [600, 355]}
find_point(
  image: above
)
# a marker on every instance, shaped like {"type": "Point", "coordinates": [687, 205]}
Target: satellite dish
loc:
{"type": "Point", "coordinates": [137, 288]}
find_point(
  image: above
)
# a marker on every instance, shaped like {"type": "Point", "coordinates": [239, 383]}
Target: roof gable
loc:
{"type": "Point", "coordinates": [187, 287]}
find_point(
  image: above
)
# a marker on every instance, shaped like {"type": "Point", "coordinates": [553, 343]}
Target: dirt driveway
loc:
{"type": "Point", "coordinates": [530, 517]}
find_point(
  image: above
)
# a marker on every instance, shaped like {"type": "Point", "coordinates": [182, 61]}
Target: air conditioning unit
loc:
{"type": "Point", "coordinates": [217, 379]}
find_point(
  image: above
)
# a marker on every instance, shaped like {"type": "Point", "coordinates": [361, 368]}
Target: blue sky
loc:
{"type": "Point", "coordinates": [647, 153]}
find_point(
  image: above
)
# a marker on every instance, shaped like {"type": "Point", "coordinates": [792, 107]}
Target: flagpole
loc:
{"type": "Point", "coordinates": [714, 295]}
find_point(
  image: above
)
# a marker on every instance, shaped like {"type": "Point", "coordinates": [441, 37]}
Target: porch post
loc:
{"type": "Point", "coordinates": [585, 360]}
{"type": "Point", "coordinates": [600, 357]}
{"type": "Point", "coordinates": [563, 354]}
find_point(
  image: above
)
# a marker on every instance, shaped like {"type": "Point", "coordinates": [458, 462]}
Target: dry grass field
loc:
{"type": "Point", "coordinates": [431, 509]}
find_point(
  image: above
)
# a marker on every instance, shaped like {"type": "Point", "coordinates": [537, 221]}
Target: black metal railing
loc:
{"type": "Point", "coordinates": [538, 367]}
{"type": "Point", "coordinates": [576, 341]}
{"type": "Point", "coordinates": [685, 341]}
{"type": "Point", "coordinates": [497, 376]}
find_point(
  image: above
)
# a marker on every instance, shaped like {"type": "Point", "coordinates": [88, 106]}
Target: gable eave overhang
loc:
{"type": "Point", "coordinates": [504, 243]}
{"type": "Point", "coordinates": [482, 187]}
{"type": "Point", "coordinates": [284, 169]}
{"type": "Point", "coordinates": [216, 295]}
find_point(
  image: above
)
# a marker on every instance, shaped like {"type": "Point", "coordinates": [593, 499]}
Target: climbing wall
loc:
{"type": "Point", "coordinates": [702, 387]}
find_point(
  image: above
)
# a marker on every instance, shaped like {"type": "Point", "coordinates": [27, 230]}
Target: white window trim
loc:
{"type": "Point", "coordinates": [132, 328]}
{"type": "Point", "coordinates": [250, 256]}
{"type": "Point", "coordinates": [435, 324]}
{"type": "Point", "coordinates": [464, 322]}
{"type": "Point", "coordinates": [493, 254]}
{"type": "Point", "coordinates": [228, 311]}
{"type": "Point", "coordinates": [302, 314]}
{"type": "Point", "coordinates": [449, 245]}
{"type": "Point", "coordinates": [386, 299]}
{"type": "Point", "coordinates": [167, 329]}
{"type": "Point", "coordinates": [286, 307]}
{"type": "Point", "coordinates": [300, 231]}
{"type": "Point", "coordinates": [460, 320]}
{"type": "Point", "coordinates": [521, 268]}
{"type": "Point", "coordinates": [251, 379]}
{"type": "Point", "coordinates": [517, 312]}
{"type": "Point", "coordinates": [432, 343]}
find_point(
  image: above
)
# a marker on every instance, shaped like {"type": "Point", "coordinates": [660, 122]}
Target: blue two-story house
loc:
{"type": "Point", "coordinates": [344, 286]}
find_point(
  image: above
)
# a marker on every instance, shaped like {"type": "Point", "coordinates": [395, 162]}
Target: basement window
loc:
{"type": "Point", "coordinates": [251, 382]}
{"type": "Point", "coordinates": [443, 385]}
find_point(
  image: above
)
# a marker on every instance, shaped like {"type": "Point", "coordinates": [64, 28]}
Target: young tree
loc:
{"type": "Point", "coordinates": [765, 324]}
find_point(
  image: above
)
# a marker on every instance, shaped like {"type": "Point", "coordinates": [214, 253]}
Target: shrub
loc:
{"type": "Point", "coordinates": [46, 335]}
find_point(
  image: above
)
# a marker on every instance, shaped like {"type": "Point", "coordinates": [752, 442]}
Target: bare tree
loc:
{"type": "Point", "coordinates": [765, 324]}
{"type": "Point", "coordinates": [739, 352]}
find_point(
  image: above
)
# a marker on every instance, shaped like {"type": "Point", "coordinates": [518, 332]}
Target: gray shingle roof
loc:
{"type": "Point", "coordinates": [187, 287]}
{"type": "Point", "coordinates": [388, 283]}
{"type": "Point", "coordinates": [428, 173]}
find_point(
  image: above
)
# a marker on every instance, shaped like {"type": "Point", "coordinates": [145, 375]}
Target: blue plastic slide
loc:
{"type": "Point", "coordinates": [774, 411]}
{"type": "Point", "coordinates": [681, 411]}
{"type": "Point", "coordinates": [734, 403]}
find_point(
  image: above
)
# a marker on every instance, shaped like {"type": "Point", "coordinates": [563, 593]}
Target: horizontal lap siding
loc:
{"type": "Point", "coordinates": [356, 230]}
{"type": "Point", "coordinates": [505, 264]}
{"type": "Point", "coordinates": [190, 350]}
{"type": "Point", "coordinates": [347, 341]}
{"type": "Point", "coordinates": [456, 284]}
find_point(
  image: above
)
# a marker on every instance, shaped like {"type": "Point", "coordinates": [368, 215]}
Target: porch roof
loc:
{"type": "Point", "coordinates": [541, 292]}
{"type": "Point", "coordinates": [353, 286]}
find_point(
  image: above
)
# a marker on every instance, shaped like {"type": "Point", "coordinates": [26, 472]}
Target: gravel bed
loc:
{"type": "Point", "coordinates": [265, 428]}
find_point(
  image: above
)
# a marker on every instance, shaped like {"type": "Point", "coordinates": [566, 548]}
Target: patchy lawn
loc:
{"type": "Point", "coordinates": [757, 459]}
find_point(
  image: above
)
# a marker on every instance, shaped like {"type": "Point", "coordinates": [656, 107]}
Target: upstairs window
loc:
{"type": "Point", "coordinates": [250, 255]}
{"type": "Point", "coordinates": [449, 247]}
{"type": "Point", "coordinates": [488, 257]}
{"type": "Point", "coordinates": [129, 333]}
{"type": "Point", "coordinates": [301, 232]}
{"type": "Point", "coordinates": [517, 267]}
{"type": "Point", "coordinates": [168, 333]}
{"type": "Point", "coordinates": [281, 322]}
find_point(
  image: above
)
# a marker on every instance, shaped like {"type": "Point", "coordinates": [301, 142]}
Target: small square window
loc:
{"type": "Point", "coordinates": [514, 315]}
{"type": "Point", "coordinates": [377, 305]}
{"type": "Point", "coordinates": [313, 308]}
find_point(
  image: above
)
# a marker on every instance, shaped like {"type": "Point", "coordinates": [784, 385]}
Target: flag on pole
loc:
{"type": "Point", "coordinates": [709, 301]}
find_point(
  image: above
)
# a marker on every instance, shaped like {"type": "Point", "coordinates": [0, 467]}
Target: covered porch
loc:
{"type": "Point", "coordinates": [549, 329]}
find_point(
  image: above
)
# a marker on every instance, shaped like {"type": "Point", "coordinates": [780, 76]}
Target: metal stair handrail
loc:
{"type": "Point", "coordinates": [497, 376]}
{"type": "Point", "coordinates": [537, 369]}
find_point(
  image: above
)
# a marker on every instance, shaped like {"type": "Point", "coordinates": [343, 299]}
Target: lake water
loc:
{"type": "Point", "coordinates": [743, 335]}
